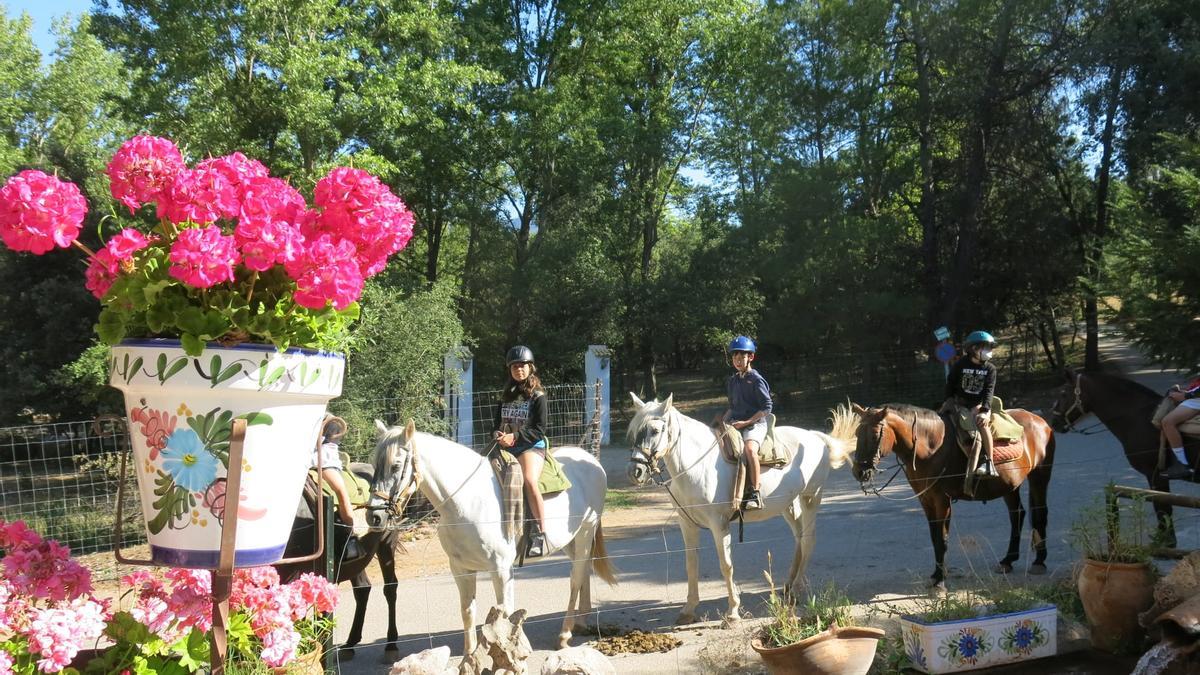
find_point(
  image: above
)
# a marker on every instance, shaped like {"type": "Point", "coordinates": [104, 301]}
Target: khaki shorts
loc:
{"type": "Point", "coordinates": [756, 432]}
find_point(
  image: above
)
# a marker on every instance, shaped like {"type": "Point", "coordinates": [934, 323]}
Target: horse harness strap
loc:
{"type": "Point", "coordinates": [651, 460]}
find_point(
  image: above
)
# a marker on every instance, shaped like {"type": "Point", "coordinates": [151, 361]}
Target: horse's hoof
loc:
{"type": "Point", "coordinates": [564, 640]}
{"type": "Point", "coordinates": [731, 621]}
{"type": "Point", "coordinates": [1037, 569]}
{"type": "Point", "coordinates": [391, 648]}
{"type": "Point", "coordinates": [1003, 568]}
{"type": "Point", "coordinates": [346, 654]}
{"type": "Point", "coordinates": [685, 618]}
{"type": "Point", "coordinates": [937, 587]}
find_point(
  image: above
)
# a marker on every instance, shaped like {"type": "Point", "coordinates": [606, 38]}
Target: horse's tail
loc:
{"type": "Point", "coordinates": [600, 562]}
{"type": "Point", "coordinates": [841, 438]}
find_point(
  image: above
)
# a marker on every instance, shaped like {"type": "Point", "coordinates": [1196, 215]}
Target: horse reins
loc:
{"type": "Point", "coordinates": [878, 491]}
{"type": "Point", "coordinates": [1077, 404]}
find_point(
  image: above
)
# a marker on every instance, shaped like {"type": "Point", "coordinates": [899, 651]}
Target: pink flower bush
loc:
{"type": "Point", "coordinates": [281, 619]}
{"type": "Point", "coordinates": [203, 257]}
{"type": "Point", "coordinates": [46, 607]}
{"type": "Point", "coordinates": [279, 271]}
{"type": "Point", "coordinates": [39, 212]}
{"type": "Point", "coordinates": [142, 169]}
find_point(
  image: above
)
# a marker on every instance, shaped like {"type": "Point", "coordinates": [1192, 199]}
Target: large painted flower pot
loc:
{"type": "Point", "coordinates": [983, 642]}
{"type": "Point", "coordinates": [181, 411]}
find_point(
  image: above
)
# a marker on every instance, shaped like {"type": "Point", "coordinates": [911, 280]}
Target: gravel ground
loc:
{"type": "Point", "coordinates": [878, 550]}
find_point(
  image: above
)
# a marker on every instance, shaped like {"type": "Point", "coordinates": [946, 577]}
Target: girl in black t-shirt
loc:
{"type": "Point", "coordinates": [520, 428]}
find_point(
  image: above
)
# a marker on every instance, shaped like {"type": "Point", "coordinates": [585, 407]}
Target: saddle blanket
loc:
{"type": "Point", "coordinates": [771, 455]}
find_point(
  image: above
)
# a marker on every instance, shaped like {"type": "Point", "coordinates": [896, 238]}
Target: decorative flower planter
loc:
{"type": "Point", "coordinates": [968, 644]}
{"type": "Point", "coordinates": [181, 411]}
{"type": "Point", "coordinates": [837, 651]}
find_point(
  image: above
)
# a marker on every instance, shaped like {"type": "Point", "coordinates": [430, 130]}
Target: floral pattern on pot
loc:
{"type": "Point", "coordinates": [912, 646]}
{"type": "Point", "coordinates": [269, 375]}
{"type": "Point", "coordinates": [966, 647]}
{"type": "Point", "coordinates": [1023, 637]}
{"type": "Point", "coordinates": [186, 463]}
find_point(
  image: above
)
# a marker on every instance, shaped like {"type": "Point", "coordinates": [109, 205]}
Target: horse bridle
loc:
{"type": "Point", "coordinates": [1077, 404]}
{"type": "Point", "coordinates": [650, 458]}
{"type": "Point", "coordinates": [868, 486]}
{"type": "Point", "coordinates": [395, 507]}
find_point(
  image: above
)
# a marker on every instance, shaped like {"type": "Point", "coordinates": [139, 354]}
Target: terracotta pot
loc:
{"type": "Point", "coordinates": [1113, 595]}
{"type": "Point", "coordinates": [837, 651]}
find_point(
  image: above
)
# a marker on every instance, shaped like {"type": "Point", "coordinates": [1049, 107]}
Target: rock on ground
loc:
{"type": "Point", "coordinates": [428, 662]}
{"type": "Point", "coordinates": [578, 661]}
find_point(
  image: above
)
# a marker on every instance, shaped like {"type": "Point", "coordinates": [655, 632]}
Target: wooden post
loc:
{"type": "Point", "coordinates": [222, 582]}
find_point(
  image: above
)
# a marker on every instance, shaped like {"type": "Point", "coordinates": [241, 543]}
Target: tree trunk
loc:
{"type": "Point", "coordinates": [433, 243]}
{"type": "Point", "coordinates": [977, 167]}
{"type": "Point", "coordinates": [927, 209]}
{"type": "Point", "coordinates": [1095, 243]}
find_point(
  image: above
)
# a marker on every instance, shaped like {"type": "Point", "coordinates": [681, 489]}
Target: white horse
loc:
{"type": "Point", "coordinates": [701, 483]}
{"type": "Point", "coordinates": [462, 487]}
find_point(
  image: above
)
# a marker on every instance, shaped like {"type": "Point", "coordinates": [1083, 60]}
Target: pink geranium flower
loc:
{"type": "Point", "coordinates": [237, 168]}
{"type": "Point", "coordinates": [327, 272]}
{"type": "Point", "coordinates": [201, 196]}
{"type": "Point", "coordinates": [142, 169]}
{"type": "Point", "coordinates": [39, 212]}
{"type": "Point", "coordinates": [101, 272]}
{"type": "Point", "coordinates": [356, 206]}
{"type": "Point", "coordinates": [127, 242]}
{"type": "Point", "coordinates": [203, 257]}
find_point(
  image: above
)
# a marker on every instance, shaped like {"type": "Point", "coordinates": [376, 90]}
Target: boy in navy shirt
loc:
{"type": "Point", "coordinates": [749, 405]}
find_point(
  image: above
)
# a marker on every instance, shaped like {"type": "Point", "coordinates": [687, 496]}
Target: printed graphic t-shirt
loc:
{"type": "Point", "coordinates": [971, 383]}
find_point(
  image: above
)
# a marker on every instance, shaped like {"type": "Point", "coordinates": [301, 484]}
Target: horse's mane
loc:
{"type": "Point", "coordinates": [923, 421]}
{"type": "Point", "coordinates": [653, 408]}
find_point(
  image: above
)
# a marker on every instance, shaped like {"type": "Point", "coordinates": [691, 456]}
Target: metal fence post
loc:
{"type": "Point", "coordinates": [459, 398]}
{"type": "Point", "coordinates": [596, 372]}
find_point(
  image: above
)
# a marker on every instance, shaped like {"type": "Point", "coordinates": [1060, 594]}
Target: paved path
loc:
{"type": "Point", "coordinates": [872, 547]}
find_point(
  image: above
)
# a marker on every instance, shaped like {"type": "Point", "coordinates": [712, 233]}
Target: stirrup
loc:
{"type": "Point", "coordinates": [537, 545]}
{"type": "Point", "coordinates": [986, 469]}
{"type": "Point", "coordinates": [752, 501]}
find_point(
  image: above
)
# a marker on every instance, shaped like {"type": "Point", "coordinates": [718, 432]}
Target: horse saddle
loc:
{"type": "Point", "coordinates": [770, 454]}
{"type": "Point", "coordinates": [512, 488]}
{"type": "Point", "coordinates": [1191, 427]}
{"type": "Point", "coordinates": [357, 488]}
{"type": "Point", "coordinates": [1008, 436]}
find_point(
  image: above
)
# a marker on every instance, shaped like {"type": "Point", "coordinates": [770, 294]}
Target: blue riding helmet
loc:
{"type": "Point", "coordinates": [742, 343]}
{"type": "Point", "coordinates": [979, 337]}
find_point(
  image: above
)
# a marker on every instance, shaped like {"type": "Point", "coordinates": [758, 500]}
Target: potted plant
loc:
{"type": "Point", "coordinates": [232, 300]}
{"type": "Point", "coordinates": [961, 632]}
{"type": "Point", "coordinates": [819, 639]}
{"type": "Point", "coordinates": [1115, 579]}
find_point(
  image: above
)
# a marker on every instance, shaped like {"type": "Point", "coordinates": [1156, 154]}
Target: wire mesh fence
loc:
{"type": "Point", "coordinates": [62, 478]}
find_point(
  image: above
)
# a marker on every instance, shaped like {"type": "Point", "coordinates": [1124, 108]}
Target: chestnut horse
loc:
{"type": "Point", "coordinates": [926, 446]}
{"type": "Point", "coordinates": [1125, 408]}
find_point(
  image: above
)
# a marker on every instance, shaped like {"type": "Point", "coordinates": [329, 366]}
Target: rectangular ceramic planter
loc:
{"type": "Point", "coordinates": [982, 642]}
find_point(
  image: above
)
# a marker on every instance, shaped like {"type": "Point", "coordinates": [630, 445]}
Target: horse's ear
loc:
{"type": "Point", "coordinates": [667, 403]}
{"type": "Point", "coordinates": [381, 426]}
{"type": "Point", "coordinates": [857, 409]}
{"type": "Point", "coordinates": [637, 401]}
{"type": "Point", "coordinates": [410, 429]}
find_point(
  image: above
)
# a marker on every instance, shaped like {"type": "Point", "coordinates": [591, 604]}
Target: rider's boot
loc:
{"type": "Point", "coordinates": [752, 501]}
{"type": "Point", "coordinates": [986, 469]}
{"type": "Point", "coordinates": [537, 541]}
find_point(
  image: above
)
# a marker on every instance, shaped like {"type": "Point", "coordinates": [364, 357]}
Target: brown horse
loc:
{"type": "Point", "coordinates": [1125, 407]}
{"type": "Point", "coordinates": [925, 443]}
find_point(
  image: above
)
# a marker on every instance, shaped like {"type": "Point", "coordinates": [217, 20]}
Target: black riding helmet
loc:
{"type": "Point", "coordinates": [519, 354]}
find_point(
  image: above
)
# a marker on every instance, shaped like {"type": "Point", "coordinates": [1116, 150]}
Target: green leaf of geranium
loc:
{"type": "Point", "coordinates": [191, 344]}
{"type": "Point", "coordinates": [111, 327]}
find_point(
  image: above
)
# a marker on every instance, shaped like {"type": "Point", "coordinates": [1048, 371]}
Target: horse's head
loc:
{"type": "Point", "coordinates": [652, 434]}
{"type": "Point", "coordinates": [396, 475]}
{"type": "Point", "coordinates": [1069, 406]}
{"type": "Point", "coordinates": [875, 441]}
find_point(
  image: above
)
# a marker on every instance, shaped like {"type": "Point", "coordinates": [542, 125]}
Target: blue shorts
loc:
{"type": "Point", "coordinates": [540, 446]}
